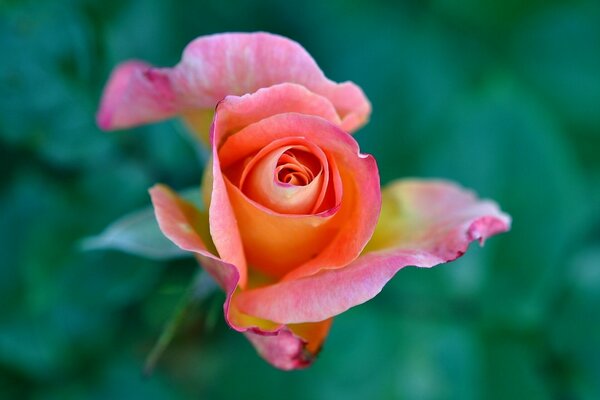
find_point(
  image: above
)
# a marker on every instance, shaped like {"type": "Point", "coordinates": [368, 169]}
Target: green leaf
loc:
{"type": "Point", "coordinates": [138, 233]}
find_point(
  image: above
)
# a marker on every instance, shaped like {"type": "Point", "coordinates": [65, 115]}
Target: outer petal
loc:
{"type": "Point", "coordinates": [423, 224]}
{"type": "Point", "coordinates": [183, 224]}
{"type": "Point", "coordinates": [286, 347]}
{"type": "Point", "coordinates": [285, 351]}
{"type": "Point", "coordinates": [223, 225]}
{"type": "Point", "coordinates": [237, 112]}
{"type": "Point", "coordinates": [136, 93]}
{"type": "Point", "coordinates": [215, 66]}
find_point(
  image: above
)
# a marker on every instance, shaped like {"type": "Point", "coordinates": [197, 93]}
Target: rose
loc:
{"type": "Point", "coordinates": [291, 232]}
{"type": "Point", "coordinates": [290, 195]}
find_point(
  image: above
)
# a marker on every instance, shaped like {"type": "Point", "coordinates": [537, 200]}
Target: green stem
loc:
{"type": "Point", "coordinates": [201, 286]}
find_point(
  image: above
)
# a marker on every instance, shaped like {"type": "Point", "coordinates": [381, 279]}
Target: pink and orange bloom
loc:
{"type": "Point", "coordinates": [297, 229]}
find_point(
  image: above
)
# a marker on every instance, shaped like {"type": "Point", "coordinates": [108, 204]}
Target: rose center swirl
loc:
{"type": "Point", "coordinates": [297, 167]}
{"type": "Point", "coordinates": [287, 176]}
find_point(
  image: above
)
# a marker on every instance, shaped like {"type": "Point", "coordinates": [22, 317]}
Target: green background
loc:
{"type": "Point", "coordinates": [503, 97]}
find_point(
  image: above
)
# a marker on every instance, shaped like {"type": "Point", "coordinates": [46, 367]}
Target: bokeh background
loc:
{"type": "Point", "coordinates": [502, 96]}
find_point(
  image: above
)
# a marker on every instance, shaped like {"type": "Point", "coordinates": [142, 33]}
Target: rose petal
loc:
{"type": "Point", "coordinates": [222, 222]}
{"type": "Point", "coordinates": [237, 112]}
{"type": "Point", "coordinates": [288, 347]}
{"type": "Point", "coordinates": [423, 224]}
{"type": "Point", "coordinates": [136, 93]}
{"type": "Point", "coordinates": [213, 67]}
{"type": "Point", "coordinates": [293, 349]}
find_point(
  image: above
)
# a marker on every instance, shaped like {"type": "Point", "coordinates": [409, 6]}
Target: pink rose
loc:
{"type": "Point", "coordinates": [292, 232]}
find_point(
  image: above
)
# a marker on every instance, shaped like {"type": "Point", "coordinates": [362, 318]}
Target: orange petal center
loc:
{"type": "Point", "coordinates": [288, 177]}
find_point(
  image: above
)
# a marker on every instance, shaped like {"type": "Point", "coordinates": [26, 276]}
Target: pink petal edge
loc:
{"type": "Point", "coordinates": [213, 67]}
{"type": "Point", "coordinates": [332, 292]}
{"type": "Point", "coordinates": [136, 93]}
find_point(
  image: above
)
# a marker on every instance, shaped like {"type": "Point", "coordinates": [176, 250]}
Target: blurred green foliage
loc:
{"type": "Point", "coordinates": [502, 96]}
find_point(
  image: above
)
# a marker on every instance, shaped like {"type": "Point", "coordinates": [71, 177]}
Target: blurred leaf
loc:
{"type": "Point", "coordinates": [574, 328]}
{"type": "Point", "coordinates": [49, 46]}
{"type": "Point", "coordinates": [557, 51]}
{"type": "Point", "coordinates": [417, 357]}
{"type": "Point", "coordinates": [138, 233]}
{"type": "Point", "coordinates": [121, 379]}
{"type": "Point", "coordinates": [487, 16]}
{"type": "Point", "coordinates": [28, 346]}
{"type": "Point", "coordinates": [512, 369]}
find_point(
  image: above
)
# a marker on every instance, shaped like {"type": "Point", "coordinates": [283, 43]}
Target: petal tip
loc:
{"type": "Point", "coordinates": [284, 351]}
{"type": "Point", "coordinates": [488, 226]}
{"type": "Point", "coordinates": [104, 119]}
